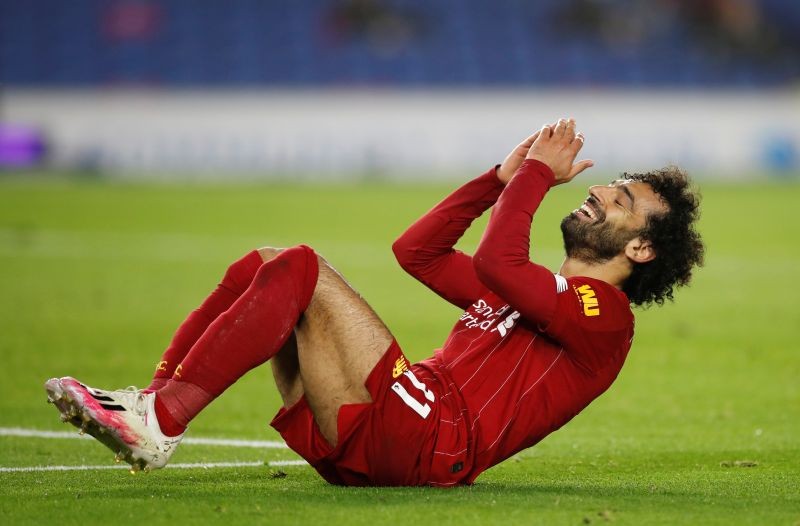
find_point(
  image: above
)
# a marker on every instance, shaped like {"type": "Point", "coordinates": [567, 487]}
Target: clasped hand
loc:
{"type": "Point", "coordinates": [556, 145]}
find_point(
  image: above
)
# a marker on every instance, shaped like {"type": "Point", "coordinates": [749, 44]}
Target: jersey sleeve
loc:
{"type": "Point", "coordinates": [502, 260]}
{"type": "Point", "coordinates": [592, 321]}
{"type": "Point", "coordinates": [426, 250]}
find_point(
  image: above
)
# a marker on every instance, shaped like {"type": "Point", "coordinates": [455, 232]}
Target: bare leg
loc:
{"type": "Point", "coordinates": [338, 341]}
{"type": "Point", "coordinates": [286, 372]}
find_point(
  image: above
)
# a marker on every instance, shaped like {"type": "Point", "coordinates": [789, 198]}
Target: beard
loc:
{"type": "Point", "coordinates": [593, 242]}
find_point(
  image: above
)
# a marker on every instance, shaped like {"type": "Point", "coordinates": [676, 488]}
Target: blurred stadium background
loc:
{"type": "Point", "coordinates": [399, 88]}
{"type": "Point", "coordinates": [145, 144]}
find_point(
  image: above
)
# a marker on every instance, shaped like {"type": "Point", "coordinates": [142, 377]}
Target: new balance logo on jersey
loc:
{"type": "Point", "coordinates": [400, 366]}
{"type": "Point", "coordinates": [588, 298]}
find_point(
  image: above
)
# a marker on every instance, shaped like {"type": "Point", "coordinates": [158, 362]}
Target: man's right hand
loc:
{"type": "Point", "coordinates": [557, 147]}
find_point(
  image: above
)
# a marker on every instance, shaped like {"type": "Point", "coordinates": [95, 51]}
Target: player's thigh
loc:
{"type": "Point", "coordinates": [339, 341]}
{"type": "Point", "coordinates": [285, 367]}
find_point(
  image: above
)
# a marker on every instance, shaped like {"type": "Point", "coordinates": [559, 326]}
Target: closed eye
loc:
{"type": "Point", "coordinates": [628, 193]}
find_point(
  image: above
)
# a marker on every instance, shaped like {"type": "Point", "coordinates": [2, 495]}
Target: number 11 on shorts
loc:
{"type": "Point", "coordinates": [421, 409]}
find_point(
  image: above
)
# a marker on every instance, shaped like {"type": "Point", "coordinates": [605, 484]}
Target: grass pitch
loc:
{"type": "Point", "coordinates": [701, 427]}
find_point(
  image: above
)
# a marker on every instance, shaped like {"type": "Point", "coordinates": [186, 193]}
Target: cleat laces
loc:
{"type": "Point", "coordinates": [132, 397]}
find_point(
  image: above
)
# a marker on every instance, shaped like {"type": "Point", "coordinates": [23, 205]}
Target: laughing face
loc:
{"type": "Point", "coordinates": [608, 220]}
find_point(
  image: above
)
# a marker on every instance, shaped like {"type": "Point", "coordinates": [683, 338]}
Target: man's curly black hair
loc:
{"type": "Point", "coordinates": [678, 246]}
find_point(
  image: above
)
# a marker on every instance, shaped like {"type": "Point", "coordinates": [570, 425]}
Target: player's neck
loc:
{"type": "Point", "coordinates": [614, 272]}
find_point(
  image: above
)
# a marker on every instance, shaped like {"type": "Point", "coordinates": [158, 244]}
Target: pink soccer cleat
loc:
{"type": "Point", "coordinates": [123, 420]}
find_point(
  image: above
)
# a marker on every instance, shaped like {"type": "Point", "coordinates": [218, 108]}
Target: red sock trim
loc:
{"type": "Point", "coordinates": [156, 384]}
{"type": "Point", "coordinates": [166, 422]}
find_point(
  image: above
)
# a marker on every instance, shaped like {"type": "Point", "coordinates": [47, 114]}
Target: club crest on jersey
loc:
{"type": "Point", "coordinates": [400, 366]}
{"type": "Point", "coordinates": [588, 299]}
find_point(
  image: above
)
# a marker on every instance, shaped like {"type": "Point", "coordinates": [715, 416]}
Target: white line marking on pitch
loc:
{"type": "Point", "coordinates": [227, 442]}
{"type": "Point", "coordinates": [203, 465]}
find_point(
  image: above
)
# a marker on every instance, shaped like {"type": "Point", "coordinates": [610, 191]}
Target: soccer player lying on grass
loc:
{"type": "Point", "coordinates": [531, 350]}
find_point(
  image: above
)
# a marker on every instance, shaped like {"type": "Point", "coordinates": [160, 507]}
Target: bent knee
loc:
{"type": "Point", "coordinates": [297, 265]}
{"type": "Point", "coordinates": [271, 252]}
{"type": "Point", "coordinates": [268, 253]}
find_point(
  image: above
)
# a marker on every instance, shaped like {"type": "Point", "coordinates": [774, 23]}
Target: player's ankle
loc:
{"type": "Point", "coordinates": [156, 384]}
{"type": "Point", "coordinates": [166, 422]}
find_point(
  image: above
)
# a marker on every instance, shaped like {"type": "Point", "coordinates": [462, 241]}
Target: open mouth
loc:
{"type": "Point", "coordinates": [588, 211]}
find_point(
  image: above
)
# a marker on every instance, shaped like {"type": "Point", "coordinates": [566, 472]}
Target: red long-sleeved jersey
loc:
{"type": "Point", "coordinates": [531, 350]}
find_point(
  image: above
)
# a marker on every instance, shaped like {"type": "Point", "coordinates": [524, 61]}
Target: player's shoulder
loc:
{"type": "Point", "coordinates": [594, 301]}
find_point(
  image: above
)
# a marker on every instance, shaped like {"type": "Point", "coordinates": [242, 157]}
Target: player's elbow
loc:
{"type": "Point", "coordinates": [403, 252]}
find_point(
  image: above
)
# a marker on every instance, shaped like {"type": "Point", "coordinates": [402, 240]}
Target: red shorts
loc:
{"type": "Point", "coordinates": [391, 441]}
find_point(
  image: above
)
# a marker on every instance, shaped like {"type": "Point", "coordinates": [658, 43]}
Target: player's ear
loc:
{"type": "Point", "coordinates": [639, 250]}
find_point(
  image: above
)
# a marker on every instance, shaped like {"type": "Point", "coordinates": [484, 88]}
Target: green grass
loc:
{"type": "Point", "coordinates": [94, 277]}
